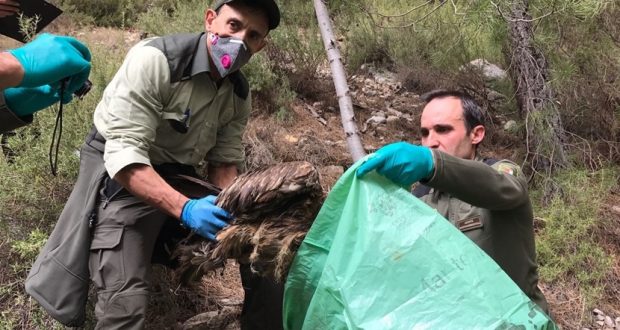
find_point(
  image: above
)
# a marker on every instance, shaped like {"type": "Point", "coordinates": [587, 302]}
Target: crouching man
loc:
{"type": "Point", "coordinates": [486, 199]}
{"type": "Point", "coordinates": [176, 101]}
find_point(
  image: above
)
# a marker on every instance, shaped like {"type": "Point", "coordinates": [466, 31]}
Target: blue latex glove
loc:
{"type": "Point", "coordinates": [400, 162]}
{"type": "Point", "coordinates": [25, 101]}
{"type": "Point", "coordinates": [204, 217]}
{"type": "Point", "coordinates": [49, 59]}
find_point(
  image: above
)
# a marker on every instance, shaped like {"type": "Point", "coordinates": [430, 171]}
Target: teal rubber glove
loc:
{"type": "Point", "coordinates": [401, 162]}
{"type": "Point", "coordinates": [25, 101]}
{"type": "Point", "coordinates": [204, 217]}
{"type": "Point", "coordinates": [49, 59]}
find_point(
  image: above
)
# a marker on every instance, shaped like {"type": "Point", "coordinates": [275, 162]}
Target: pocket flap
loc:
{"type": "Point", "coordinates": [106, 237]}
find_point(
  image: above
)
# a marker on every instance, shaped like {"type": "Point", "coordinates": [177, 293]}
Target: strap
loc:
{"type": "Point", "coordinates": [53, 153]}
{"type": "Point", "coordinates": [421, 190]}
{"type": "Point", "coordinates": [490, 161]}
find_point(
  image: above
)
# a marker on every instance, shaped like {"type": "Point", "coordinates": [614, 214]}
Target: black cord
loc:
{"type": "Point", "coordinates": [53, 154]}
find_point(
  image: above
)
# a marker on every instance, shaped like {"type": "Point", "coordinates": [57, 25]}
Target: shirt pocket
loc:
{"type": "Point", "coordinates": [177, 114]}
{"type": "Point", "coordinates": [468, 219]}
{"type": "Point", "coordinates": [178, 119]}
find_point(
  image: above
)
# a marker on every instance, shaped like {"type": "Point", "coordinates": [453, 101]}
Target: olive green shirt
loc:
{"type": "Point", "coordinates": [491, 206]}
{"type": "Point", "coordinates": [162, 106]}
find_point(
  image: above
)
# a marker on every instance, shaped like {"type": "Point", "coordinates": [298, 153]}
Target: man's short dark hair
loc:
{"type": "Point", "coordinates": [268, 7]}
{"type": "Point", "coordinates": [472, 112]}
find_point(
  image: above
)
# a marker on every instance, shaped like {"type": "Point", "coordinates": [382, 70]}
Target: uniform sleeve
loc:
{"type": "Point", "coordinates": [498, 187]}
{"type": "Point", "coordinates": [8, 119]}
{"type": "Point", "coordinates": [228, 148]}
{"type": "Point", "coordinates": [131, 108]}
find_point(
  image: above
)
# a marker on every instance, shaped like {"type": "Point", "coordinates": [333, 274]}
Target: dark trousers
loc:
{"type": "Point", "coordinates": [262, 306]}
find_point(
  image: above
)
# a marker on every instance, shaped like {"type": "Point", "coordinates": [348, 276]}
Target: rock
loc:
{"type": "Point", "coordinates": [489, 71]}
{"type": "Point", "coordinates": [370, 93]}
{"type": "Point", "coordinates": [386, 78]}
{"type": "Point", "coordinates": [510, 125]}
{"type": "Point", "coordinates": [617, 323]}
{"type": "Point", "coordinates": [291, 139]}
{"type": "Point", "coordinates": [394, 112]}
{"type": "Point", "coordinates": [382, 130]}
{"type": "Point", "coordinates": [376, 120]}
{"type": "Point", "coordinates": [597, 311]}
{"type": "Point", "coordinates": [378, 113]}
{"type": "Point", "coordinates": [494, 96]}
{"type": "Point", "coordinates": [609, 322]}
{"type": "Point", "coordinates": [392, 119]}
{"type": "Point", "coordinates": [600, 323]}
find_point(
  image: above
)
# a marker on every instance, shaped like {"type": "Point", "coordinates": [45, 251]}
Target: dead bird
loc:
{"type": "Point", "coordinates": [273, 209]}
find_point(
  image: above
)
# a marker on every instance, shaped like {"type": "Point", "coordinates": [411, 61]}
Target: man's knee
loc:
{"type": "Point", "coordinates": [122, 310]}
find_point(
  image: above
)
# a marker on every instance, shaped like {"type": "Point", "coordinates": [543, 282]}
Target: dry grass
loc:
{"type": "Point", "coordinates": [566, 301]}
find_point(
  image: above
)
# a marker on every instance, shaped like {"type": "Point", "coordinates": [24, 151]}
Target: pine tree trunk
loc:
{"type": "Point", "coordinates": [339, 75]}
{"type": "Point", "coordinates": [535, 96]}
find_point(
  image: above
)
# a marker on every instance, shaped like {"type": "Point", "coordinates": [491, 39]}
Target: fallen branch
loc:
{"type": "Point", "coordinates": [316, 115]}
{"type": "Point", "coordinates": [347, 115]}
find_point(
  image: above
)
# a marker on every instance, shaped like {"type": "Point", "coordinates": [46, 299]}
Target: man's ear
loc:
{"type": "Point", "coordinates": [210, 15]}
{"type": "Point", "coordinates": [477, 134]}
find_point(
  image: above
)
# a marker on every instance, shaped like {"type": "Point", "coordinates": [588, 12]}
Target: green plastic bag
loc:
{"type": "Point", "coordinates": [377, 257]}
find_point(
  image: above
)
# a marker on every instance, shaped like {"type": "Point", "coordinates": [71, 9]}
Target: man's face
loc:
{"type": "Point", "coordinates": [239, 21]}
{"type": "Point", "coordinates": [443, 128]}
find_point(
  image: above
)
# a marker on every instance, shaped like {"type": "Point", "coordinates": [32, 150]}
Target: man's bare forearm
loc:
{"type": "Point", "coordinates": [11, 71]}
{"type": "Point", "coordinates": [222, 176]}
{"type": "Point", "coordinates": [143, 182]}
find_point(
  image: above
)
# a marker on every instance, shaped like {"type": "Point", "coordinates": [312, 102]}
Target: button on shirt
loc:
{"type": "Point", "coordinates": [151, 114]}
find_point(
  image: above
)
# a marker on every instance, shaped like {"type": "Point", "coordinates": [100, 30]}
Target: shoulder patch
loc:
{"type": "Point", "coordinates": [507, 168]}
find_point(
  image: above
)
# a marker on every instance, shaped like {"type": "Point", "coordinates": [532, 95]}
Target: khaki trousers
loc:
{"type": "Point", "coordinates": [120, 258]}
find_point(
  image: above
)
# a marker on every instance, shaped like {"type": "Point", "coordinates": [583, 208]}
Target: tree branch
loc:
{"type": "Point", "coordinates": [403, 14]}
{"type": "Point", "coordinates": [416, 21]}
{"type": "Point", "coordinates": [499, 10]}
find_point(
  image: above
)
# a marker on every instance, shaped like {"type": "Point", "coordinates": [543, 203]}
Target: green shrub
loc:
{"type": "Point", "coordinates": [566, 245]}
{"type": "Point", "coordinates": [118, 13]}
{"type": "Point", "coordinates": [179, 17]}
{"type": "Point", "coordinates": [29, 249]}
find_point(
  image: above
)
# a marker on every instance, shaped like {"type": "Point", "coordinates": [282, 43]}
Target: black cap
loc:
{"type": "Point", "coordinates": [270, 7]}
